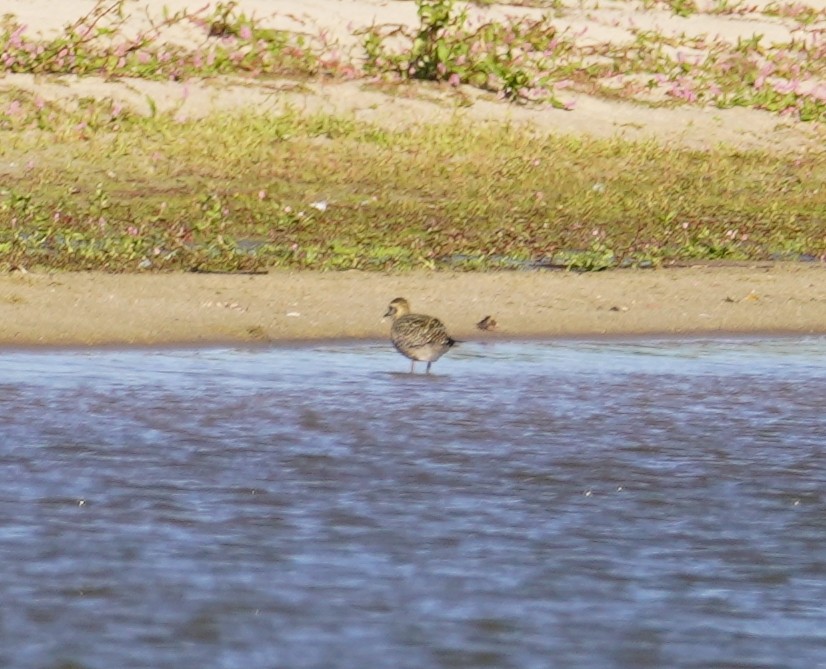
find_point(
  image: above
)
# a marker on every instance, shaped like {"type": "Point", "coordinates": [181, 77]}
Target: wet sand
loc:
{"type": "Point", "coordinates": [81, 309]}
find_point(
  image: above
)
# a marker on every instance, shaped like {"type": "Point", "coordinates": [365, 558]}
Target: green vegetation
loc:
{"type": "Point", "coordinates": [245, 191]}
{"type": "Point", "coordinates": [514, 58]}
{"type": "Point", "coordinates": [98, 44]}
{"type": "Point", "coordinates": [94, 185]}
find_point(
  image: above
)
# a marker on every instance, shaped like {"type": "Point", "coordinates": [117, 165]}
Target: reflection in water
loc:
{"type": "Point", "coordinates": [625, 504]}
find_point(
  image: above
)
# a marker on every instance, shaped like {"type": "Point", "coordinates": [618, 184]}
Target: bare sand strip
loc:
{"type": "Point", "coordinates": [82, 309]}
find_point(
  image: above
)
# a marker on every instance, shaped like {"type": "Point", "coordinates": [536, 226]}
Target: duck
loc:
{"type": "Point", "coordinates": [419, 337]}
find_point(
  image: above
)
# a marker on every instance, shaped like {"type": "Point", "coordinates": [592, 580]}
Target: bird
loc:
{"type": "Point", "coordinates": [487, 323]}
{"type": "Point", "coordinates": [417, 336]}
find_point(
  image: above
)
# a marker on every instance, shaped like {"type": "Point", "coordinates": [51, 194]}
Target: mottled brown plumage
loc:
{"type": "Point", "coordinates": [416, 336]}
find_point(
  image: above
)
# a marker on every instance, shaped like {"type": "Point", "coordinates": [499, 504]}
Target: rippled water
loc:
{"type": "Point", "coordinates": [567, 504]}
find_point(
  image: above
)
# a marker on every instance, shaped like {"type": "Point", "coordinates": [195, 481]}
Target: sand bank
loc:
{"type": "Point", "coordinates": [154, 309]}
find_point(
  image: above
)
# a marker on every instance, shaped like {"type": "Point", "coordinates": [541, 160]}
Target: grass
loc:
{"type": "Point", "coordinates": [94, 185]}
{"type": "Point", "coordinates": [244, 191]}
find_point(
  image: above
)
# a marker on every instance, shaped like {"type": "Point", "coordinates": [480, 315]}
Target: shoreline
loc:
{"type": "Point", "coordinates": [298, 344]}
{"type": "Point", "coordinates": [92, 309]}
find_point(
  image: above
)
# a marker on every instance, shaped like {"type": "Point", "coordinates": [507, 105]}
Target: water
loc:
{"type": "Point", "coordinates": [566, 504]}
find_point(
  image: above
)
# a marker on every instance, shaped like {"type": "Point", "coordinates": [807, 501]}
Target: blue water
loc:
{"type": "Point", "coordinates": [530, 504]}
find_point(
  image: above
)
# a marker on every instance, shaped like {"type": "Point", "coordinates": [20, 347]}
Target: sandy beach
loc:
{"type": "Point", "coordinates": [39, 309]}
{"type": "Point", "coordinates": [147, 309]}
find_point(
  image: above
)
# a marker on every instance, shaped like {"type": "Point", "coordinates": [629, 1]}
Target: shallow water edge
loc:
{"type": "Point", "coordinates": [205, 344]}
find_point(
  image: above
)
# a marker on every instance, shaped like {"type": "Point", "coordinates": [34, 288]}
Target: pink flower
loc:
{"type": "Point", "coordinates": [16, 38]}
{"type": "Point", "coordinates": [245, 33]}
{"type": "Point", "coordinates": [454, 80]}
{"type": "Point", "coordinates": [683, 89]}
{"type": "Point", "coordinates": [785, 86]}
{"type": "Point", "coordinates": [819, 92]}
